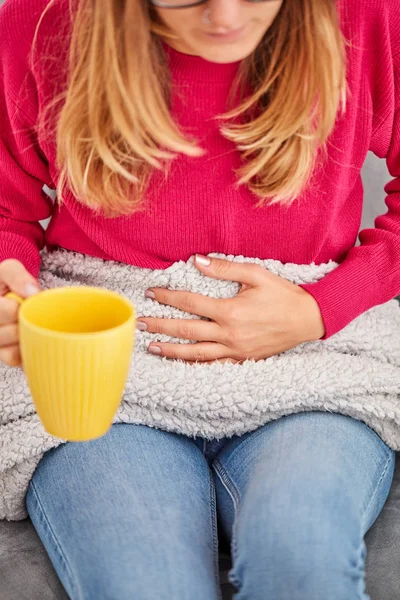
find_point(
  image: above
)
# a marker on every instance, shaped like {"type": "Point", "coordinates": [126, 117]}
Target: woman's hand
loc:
{"type": "Point", "coordinates": [13, 278]}
{"type": "Point", "coordinates": [268, 316]}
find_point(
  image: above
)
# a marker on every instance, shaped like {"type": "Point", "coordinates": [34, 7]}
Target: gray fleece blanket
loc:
{"type": "Point", "coordinates": [356, 372]}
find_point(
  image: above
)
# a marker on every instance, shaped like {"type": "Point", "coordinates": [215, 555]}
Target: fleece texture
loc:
{"type": "Point", "coordinates": [356, 372]}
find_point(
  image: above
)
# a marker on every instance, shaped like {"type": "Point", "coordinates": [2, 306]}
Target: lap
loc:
{"type": "Point", "coordinates": [139, 496]}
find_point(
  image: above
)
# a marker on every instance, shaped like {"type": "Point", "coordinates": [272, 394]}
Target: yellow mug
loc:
{"type": "Point", "coordinates": [76, 347]}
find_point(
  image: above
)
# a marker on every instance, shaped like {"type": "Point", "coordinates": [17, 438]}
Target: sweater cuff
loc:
{"type": "Point", "coordinates": [345, 293]}
{"type": "Point", "coordinates": [19, 248]}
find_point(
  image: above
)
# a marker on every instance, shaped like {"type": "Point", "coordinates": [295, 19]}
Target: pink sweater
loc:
{"type": "Point", "coordinates": [198, 208]}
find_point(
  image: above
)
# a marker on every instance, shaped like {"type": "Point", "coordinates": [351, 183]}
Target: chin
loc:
{"type": "Point", "coordinates": [225, 54]}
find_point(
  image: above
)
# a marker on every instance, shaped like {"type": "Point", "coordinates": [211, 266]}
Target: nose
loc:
{"type": "Point", "coordinates": [225, 14]}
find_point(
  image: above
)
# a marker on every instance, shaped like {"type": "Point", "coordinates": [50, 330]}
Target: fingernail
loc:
{"type": "Point", "coordinates": [155, 349]}
{"type": "Point", "coordinates": [204, 261]}
{"type": "Point", "coordinates": [141, 325]}
{"type": "Point", "coordinates": [149, 294]}
{"type": "Point", "coordinates": [31, 290]}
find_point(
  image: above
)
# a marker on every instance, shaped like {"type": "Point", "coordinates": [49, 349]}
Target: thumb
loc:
{"type": "Point", "coordinates": [247, 273]}
{"type": "Point", "coordinates": [17, 279]}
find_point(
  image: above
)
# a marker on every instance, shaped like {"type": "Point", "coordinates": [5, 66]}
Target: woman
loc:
{"type": "Point", "coordinates": [177, 128]}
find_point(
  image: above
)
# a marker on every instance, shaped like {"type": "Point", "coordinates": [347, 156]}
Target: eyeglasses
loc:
{"type": "Point", "coordinates": [189, 3]}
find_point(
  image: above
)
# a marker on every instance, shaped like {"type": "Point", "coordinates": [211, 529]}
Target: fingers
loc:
{"type": "Point", "coordinates": [10, 356]}
{"type": "Point", "coordinates": [16, 278]}
{"type": "Point", "coordinates": [201, 352]}
{"type": "Point", "coordinates": [247, 273]}
{"type": "Point", "coordinates": [9, 339]}
{"type": "Point", "coordinates": [185, 329]}
{"type": "Point", "coordinates": [8, 335]}
{"type": "Point", "coordinates": [195, 304]}
{"type": "Point", "coordinates": [8, 311]}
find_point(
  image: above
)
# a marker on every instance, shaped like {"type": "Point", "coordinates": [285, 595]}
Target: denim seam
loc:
{"type": "Point", "coordinates": [385, 468]}
{"type": "Point", "coordinates": [214, 530]}
{"type": "Point", "coordinates": [62, 557]}
{"type": "Point", "coordinates": [361, 566]}
{"type": "Point", "coordinates": [233, 492]}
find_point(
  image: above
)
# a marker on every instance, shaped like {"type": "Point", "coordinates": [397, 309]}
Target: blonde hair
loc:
{"type": "Point", "coordinates": [114, 126]}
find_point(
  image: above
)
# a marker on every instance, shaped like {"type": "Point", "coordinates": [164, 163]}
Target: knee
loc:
{"type": "Point", "coordinates": [301, 554]}
{"type": "Point", "coordinates": [109, 578]}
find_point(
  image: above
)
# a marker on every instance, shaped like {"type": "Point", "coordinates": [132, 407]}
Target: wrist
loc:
{"type": "Point", "coordinates": [313, 320]}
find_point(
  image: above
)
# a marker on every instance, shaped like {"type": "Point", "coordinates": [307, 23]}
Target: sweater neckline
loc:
{"type": "Point", "coordinates": [191, 68]}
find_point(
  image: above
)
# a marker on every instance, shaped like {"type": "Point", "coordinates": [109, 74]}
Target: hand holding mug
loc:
{"type": "Point", "coordinates": [76, 345]}
{"type": "Point", "coordinates": [13, 278]}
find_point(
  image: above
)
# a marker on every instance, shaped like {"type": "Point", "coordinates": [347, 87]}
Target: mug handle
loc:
{"type": "Point", "coordinates": [12, 296]}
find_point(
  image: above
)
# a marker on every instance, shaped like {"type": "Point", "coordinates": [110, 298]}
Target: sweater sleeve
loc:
{"type": "Point", "coordinates": [23, 167]}
{"type": "Point", "coordinates": [370, 273]}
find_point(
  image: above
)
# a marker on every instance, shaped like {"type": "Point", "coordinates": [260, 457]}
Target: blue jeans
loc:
{"type": "Point", "coordinates": [133, 515]}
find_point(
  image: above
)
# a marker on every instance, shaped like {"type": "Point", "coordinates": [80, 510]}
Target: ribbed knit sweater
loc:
{"type": "Point", "coordinates": [198, 208]}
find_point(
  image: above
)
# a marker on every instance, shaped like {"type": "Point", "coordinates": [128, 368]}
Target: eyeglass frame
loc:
{"type": "Point", "coordinates": [161, 4]}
